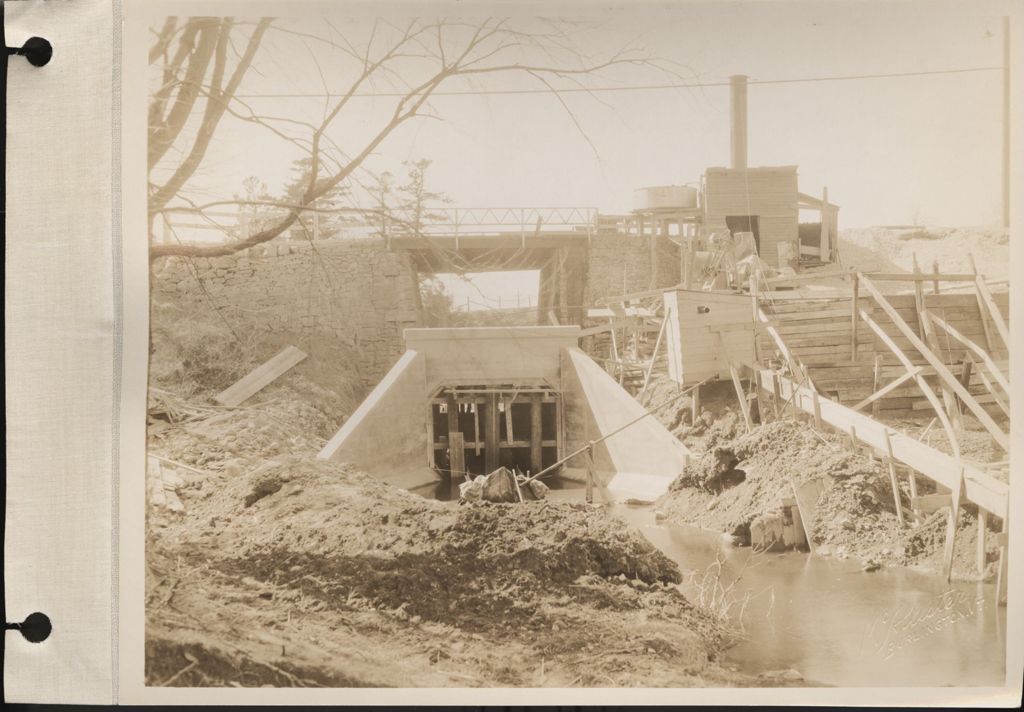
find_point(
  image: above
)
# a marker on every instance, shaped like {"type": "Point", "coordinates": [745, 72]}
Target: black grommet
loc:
{"type": "Point", "coordinates": [35, 628]}
{"type": "Point", "coordinates": [36, 50]}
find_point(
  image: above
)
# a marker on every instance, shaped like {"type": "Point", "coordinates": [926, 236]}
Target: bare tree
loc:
{"type": "Point", "coordinates": [419, 58]}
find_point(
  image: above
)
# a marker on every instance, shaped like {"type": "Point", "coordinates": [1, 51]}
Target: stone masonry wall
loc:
{"type": "Point", "coordinates": [353, 290]}
{"type": "Point", "coordinates": [620, 264]}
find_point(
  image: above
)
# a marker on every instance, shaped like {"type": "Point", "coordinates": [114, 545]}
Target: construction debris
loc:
{"type": "Point", "coordinates": [162, 485]}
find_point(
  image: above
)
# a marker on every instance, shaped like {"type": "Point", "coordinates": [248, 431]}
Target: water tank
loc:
{"type": "Point", "coordinates": [661, 197]}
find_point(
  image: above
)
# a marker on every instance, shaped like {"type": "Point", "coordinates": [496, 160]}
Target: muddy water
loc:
{"type": "Point", "coordinates": [838, 625]}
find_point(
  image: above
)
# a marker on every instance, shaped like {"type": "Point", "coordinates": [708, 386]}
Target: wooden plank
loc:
{"type": "Point", "coordinates": [729, 328]}
{"type": "Point", "coordinates": [951, 522]}
{"type": "Point", "coordinates": [260, 377]}
{"type": "Point", "coordinates": [932, 502]}
{"type": "Point", "coordinates": [788, 328]}
{"type": "Point", "coordinates": [536, 431]}
{"type": "Point", "coordinates": [807, 496]}
{"type": "Point", "coordinates": [940, 368]}
{"type": "Point", "coordinates": [978, 351]}
{"type": "Point", "coordinates": [654, 358]}
{"type": "Point", "coordinates": [491, 434]}
{"type": "Point", "coordinates": [928, 334]}
{"type": "Point", "coordinates": [920, 277]}
{"type": "Point", "coordinates": [514, 445]}
{"type": "Point", "coordinates": [801, 278]}
{"type": "Point", "coordinates": [619, 311]}
{"type": "Point", "coordinates": [980, 487]}
{"type": "Point", "coordinates": [1002, 573]}
{"type": "Point", "coordinates": [457, 456]}
{"type": "Point", "coordinates": [890, 462]}
{"type": "Point", "coordinates": [983, 399]}
{"type": "Point", "coordinates": [993, 310]}
{"type": "Point", "coordinates": [853, 318]}
{"type": "Point", "coordinates": [829, 372]}
{"type": "Point", "coordinates": [775, 398]}
{"type": "Point", "coordinates": [453, 415]}
{"type": "Point", "coordinates": [981, 555]}
{"type": "Point", "coordinates": [1005, 407]}
{"type": "Point", "coordinates": [981, 304]}
{"type": "Point", "coordinates": [508, 421]}
{"type": "Point", "coordinates": [742, 396]}
{"type": "Point", "coordinates": [779, 343]}
{"type": "Point", "coordinates": [880, 393]}
{"type": "Point", "coordinates": [922, 384]}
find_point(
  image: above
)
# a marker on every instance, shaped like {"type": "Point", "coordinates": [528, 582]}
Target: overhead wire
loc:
{"type": "Point", "coordinates": [628, 87]}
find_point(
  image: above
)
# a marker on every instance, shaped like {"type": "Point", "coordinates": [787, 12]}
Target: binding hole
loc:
{"type": "Point", "coordinates": [37, 50]}
{"type": "Point", "coordinates": [35, 628]}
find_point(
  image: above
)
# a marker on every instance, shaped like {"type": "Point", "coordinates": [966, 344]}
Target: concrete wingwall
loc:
{"type": "Point", "coordinates": [639, 462]}
{"type": "Point", "coordinates": [354, 290]}
{"type": "Point", "coordinates": [387, 434]}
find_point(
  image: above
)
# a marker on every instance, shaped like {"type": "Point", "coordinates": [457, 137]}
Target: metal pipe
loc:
{"type": "Point", "coordinates": [738, 119]}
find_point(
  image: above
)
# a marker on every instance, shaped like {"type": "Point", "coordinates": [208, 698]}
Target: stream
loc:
{"type": "Point", "coordinates": [839, 625]}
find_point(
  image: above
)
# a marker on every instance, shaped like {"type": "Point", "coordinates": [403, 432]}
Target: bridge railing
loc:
{"type": "Point", "coordinates": [502, 220]}
{"type": "Point", "coordinates": [211, 226]}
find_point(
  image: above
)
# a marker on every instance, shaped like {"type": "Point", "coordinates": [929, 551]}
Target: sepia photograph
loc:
{"type": "Point", "coordinates": [650, 346]}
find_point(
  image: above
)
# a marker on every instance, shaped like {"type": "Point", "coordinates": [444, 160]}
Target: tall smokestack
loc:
{"type": "Point", "coordinates": [738, 119]}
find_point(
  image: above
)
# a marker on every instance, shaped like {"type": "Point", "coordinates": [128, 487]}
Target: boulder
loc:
{"type": "Point", "coordinates": [471, 491]}
{"type": "Point", "coordinates": [538, 488]}
{"type": "Point", "coordinates": [500, 486]}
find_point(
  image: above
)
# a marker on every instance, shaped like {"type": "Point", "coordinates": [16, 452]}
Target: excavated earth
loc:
{"type": "Point", "coordinates": [739, 479]}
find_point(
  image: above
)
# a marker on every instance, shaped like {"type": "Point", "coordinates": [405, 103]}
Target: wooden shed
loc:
{"type": "Point", "coordinates": [761, 200]}
{"type": "Point", "coordinates": [706, 331]}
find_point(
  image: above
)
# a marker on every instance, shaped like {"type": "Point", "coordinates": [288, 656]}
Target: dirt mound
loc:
{"type": "Point", "coordinates": [439, 561]}
{"type": "Point", "coordinates": [736, 481]}
{"type": "Point", "coordinates": [318, 539]}
{"type": "Point", "coordinates": [856, 517]}
{"type": "Point", "coordinates": [718, 419]}
{"type": "Point", "coordinates": [923, 546]}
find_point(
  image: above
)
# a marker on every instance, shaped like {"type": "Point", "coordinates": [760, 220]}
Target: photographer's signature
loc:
{"type": "Point", "coordinates": [905, 625]}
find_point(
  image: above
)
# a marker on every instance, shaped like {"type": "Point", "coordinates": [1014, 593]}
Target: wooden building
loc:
{"type": "Point", "coordinates": [758, 200]}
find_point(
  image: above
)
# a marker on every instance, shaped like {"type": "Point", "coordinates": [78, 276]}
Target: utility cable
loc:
{"type": "Point", "coordinates": [635, 87]}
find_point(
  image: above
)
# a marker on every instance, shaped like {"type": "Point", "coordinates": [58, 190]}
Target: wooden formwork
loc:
{"type": "Point", "coordinates": [848, 361]}
{"type": "Point", "coordinates": [820, 334]}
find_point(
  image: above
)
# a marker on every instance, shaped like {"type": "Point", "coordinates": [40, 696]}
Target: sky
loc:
{"type": "Point", "coordinates": [917, 149]}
